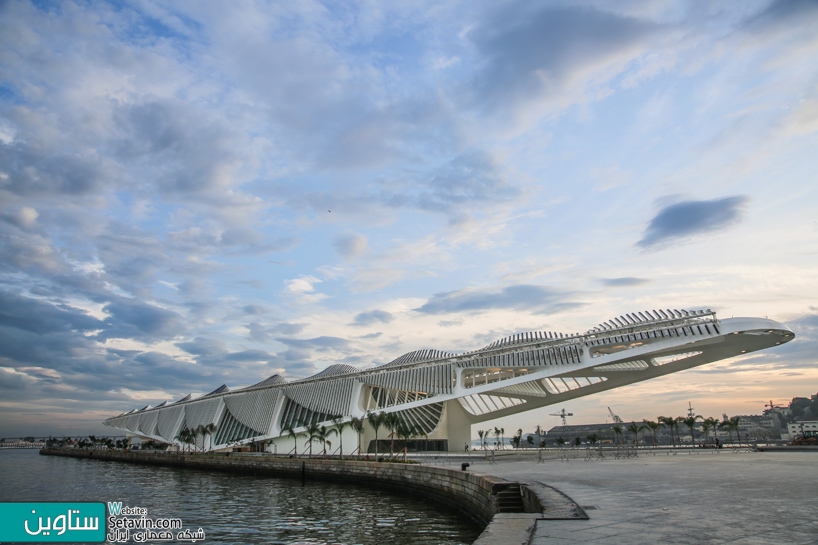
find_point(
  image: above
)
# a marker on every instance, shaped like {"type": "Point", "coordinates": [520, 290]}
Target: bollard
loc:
{"type": "Point", "coordinates": [464, 465]}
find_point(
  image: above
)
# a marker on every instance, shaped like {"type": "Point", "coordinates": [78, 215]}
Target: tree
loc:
{"type": "Point", "coordinates": [635, 428]}
{"type": "Point", "coordinates": [340, 424]}
{"type": "Point", "coordinates": [670, 423]}
{"type": "Point", "coordinates": [617, 432]}
{"type": "Point", "coordinates": [480, 435]}
{"type": "Point", "coordinates": [208, 431]}
{"type": "Point", "coordinates": [357, 425]}
{"type": "Point", "coordinates": [577, 441]}
{"type": "Point", "coordinates": [391, 421]}
{"type": "Point", "coordinates": [530, 440]}
{"type": "Point", "coordinates": [517, 439]}
{"type": "Point", "coordinates": [813, 406]}
{"type": "Point", "coordinates": [734, 424]}
{"type": "Point", "coordinates": [502, 438]}
{"type": "Point", "coordinates": [593, 438]}
{"type": "Point", "coordinates": [375, 420]}
{"type": "Point", "coordinates": [291, 433]}
{"type": "Point", "coordinates": [676, 422]}
{"type": "Point", "coordinates": [731, 425]}
{"type": "Point", "coordinates": [405, 431]}
{"type": "Point", "coordinates": [560, 441]}
{"type": "Point", "coordinates": [323, 434]}
{"type": "Point", "coordinates": [312, 435]}
{"type": "Point", "coordinates": [496, 437]}
{"type": "Point", "coordinates": [690, 422]}
{"type": "Point", "coordinates": [798, 405]}
{"type": "Point", "coordinates": [652, 426]}
{"type": "Point", "coordinates": [708, 424]}
{"type": "Point", "coordinates": [186, 436]}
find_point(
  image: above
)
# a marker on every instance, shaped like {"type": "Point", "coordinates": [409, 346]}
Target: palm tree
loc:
{"type": "Point", "coordinates": [357, 425]}
{"type": "Point", "coordinates": [670, 423]}
{"type": "Point", "coordinates": [209, 430]}
{"type": "Point", "coordinates": [519, 437]}
{"type": "Point", "coordinates": [502, 438]}
{"type": "Point", "coordinates": [731, 425]}
{"type": "Point", "coordinates": [734, 423]}
{"type": "Point", "coordinates": [197, 431]}
{"type": "Point", "coordinates": [291, 433]}
{"type": "Point", "coordinates": [707, 425]}
{"type": "Point", "coordinates": [391, 421]}
{"type": "Point", "coordinates": [480, 434]}
{"type": "Point", "coordinates": [690, 422]}
{"type": "Point", "coordinates": [652, 426]}
{"type": "Point", "coordinates": [375, 420]}
{"type": "Point", "coordinates": [496, 436]}
{"type": "Point", "coordinates": [323, 433]}
{"type": "Point", "coordinates": [312, 435]}
{"type": "Point", "coordinates": [186, 436]}
{"type": "Point", "coordinates": [405, 431]}
{"type": "Point", "coordinates": [617, 431]}
{"type": "Point", "coordinates": [635, 428]}
{"type": "Point", "coordinates": [340, 424]}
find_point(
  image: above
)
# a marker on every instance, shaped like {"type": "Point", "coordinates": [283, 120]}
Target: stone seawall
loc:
{"type": "Point", "coordinates": [476, 496]}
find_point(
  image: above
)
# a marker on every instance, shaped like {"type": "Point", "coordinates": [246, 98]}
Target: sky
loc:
{"type": "Point", "coordinates": [195, 193]}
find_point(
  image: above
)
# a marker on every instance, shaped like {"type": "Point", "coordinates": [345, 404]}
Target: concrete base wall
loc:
{"type": "Point", "coordinates": [473, 495]}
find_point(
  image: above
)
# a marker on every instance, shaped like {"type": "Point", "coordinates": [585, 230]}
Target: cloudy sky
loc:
{"type": "Point", "coordinates": [194, 194]}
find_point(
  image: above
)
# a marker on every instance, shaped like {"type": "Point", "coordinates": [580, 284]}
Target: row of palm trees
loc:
{"type": "Point", "coordinates": [730, 425]}
{"type": "Point", "coordinates": [499, 436]}
{"type": "Point", "coordinates": [314, 432]}
{"type": "Point", "coordinates": [189, 436]}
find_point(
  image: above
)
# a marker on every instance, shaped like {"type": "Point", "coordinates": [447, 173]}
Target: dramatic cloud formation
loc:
{"type": "Point", "coordinates": [523, 297]}
{"type": "Point", "coordinates": [688, 218]}
{"type": "Point", "coordinates": [540, 58]}
{"type": "Point", "coordinates": [373, 317]}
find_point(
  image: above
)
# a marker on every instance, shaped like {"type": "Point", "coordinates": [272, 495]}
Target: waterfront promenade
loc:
{"type": "Point", "coordinates": [691, 497]}
{"type": "Point", "coordinates": [682, 496]}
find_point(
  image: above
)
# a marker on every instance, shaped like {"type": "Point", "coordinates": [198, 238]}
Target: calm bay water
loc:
{"type": "Point", "coordinates": [237, 508]}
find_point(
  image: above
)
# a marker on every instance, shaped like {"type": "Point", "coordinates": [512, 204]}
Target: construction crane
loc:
{"type": "Point", "coordinates": [563, 414]}
{"type": "Point", "coordinates": [615, 417]}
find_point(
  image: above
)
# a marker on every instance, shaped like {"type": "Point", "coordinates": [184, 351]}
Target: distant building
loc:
{"type": "Point", "coordinates": [794, 429]}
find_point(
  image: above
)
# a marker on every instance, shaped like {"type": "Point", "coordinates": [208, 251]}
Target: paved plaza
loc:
{"type": "Point", "coordinates": [692, 496]}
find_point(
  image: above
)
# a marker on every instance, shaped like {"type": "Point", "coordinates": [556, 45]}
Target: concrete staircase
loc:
{"type": "Point", "coordinates": [510, 500]}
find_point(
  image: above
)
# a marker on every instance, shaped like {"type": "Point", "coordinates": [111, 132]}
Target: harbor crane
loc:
{"type": "Point", "coordinates": [563, 414]}
{"type": "Point", "coordinates": [615, 417]}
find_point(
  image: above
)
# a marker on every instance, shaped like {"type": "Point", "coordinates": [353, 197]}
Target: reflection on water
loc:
{"type": "Point", "coordinates": [233, 508]}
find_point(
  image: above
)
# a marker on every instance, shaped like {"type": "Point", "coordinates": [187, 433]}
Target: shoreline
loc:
{"type": "Point", "coordinates": [501, 507]}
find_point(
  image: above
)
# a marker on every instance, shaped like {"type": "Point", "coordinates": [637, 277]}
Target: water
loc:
{"type": "Point", "coordinates": [234, 508]}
